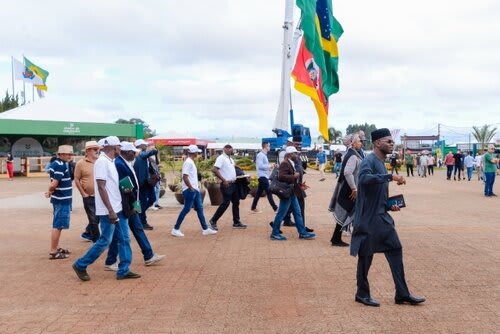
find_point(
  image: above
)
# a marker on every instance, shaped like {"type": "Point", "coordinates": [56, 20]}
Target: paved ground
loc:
{"type": "Point", "coordinates": [241, 282]}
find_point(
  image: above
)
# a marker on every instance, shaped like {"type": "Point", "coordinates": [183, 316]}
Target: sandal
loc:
{"type": "Point", "coordinates": [57, 256]}
{"type": "Point", "coordinates": [63, 251]}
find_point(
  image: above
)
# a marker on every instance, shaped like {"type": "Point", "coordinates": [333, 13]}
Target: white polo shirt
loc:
{"type": "Point", "coordinates": [189, 169]}
{"type": "Point", "coordinates": [104, 169]}
{"type": "Point", "coordinates": [226, 167]}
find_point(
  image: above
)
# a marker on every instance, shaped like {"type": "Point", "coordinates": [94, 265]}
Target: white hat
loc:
{"type": "Point", "coordinates": [193, 149]}
{"type": "Point", "coordinates": [140, 142]}
{"type": "Point", "coordinates": [91, 144]}
{"type": "Point", "coordinates": [290, 139]}
{"type": "Point", "coordinates": [290, 149]}
{"type": "Point", "coordinates": [126, 146]}
{"type": "Point", "coordinates": [491, 146]}
{"type": "Point", "coordinates": [111, 141]}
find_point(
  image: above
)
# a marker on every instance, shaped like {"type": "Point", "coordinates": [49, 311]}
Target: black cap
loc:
{"type": "Point", "coordinates": [380, 133]}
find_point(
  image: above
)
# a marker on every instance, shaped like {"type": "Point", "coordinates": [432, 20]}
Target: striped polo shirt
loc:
{"type": "Point", "coordinates": [59, 171]}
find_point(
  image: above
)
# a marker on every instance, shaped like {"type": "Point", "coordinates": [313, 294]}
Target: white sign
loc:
{"type": "Point", "coordinates": [71, 129]}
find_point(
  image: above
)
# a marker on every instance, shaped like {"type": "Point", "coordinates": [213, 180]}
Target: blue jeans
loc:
{"type": "Point", "coordinates": [449, 170]}
{"type": "Point", "coordinates": [469, 173]}
{"type": "Point", "coordinates": [62, 215]}
{"type": "Point", "coordinates": [191, 197]}
{"type": "Point", "coordinates": [134, 222]}
{"type": "Point", "coordinates": [107, 230]}
{"type": "Point", "coordinates": [337, 168]}
{"type": "Point", "coordinates": [157, 192]}
{"type": "Point", "coordinates": [263, 185]}
{"type": "Point", "coordinates": [488, 184]}
{"type": "Point", "coordinates": [283, 209]}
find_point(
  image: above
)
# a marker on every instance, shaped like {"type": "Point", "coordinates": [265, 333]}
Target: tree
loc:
{"type": "Point", "coordinates": [147, 130]}
{"type": "Point", "coordinates": [367, 129]}
{"type": "Point", "coordinates": [8, 102]}
{"type": "Point", "coordinates": [483, 134]}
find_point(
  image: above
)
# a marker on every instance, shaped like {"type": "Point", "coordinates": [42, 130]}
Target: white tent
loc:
{"type": "Point", "coordinates": [53, 110]}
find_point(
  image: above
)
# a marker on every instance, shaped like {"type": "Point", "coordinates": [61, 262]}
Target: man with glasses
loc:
{"type": "Point", "coordinates": [84, 182]}
{"type": "Point", "coordinates": [374, 230]}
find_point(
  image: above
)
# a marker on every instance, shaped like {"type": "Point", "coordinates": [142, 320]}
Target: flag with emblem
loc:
{"type": "Point", "coordinates": [22, 72]}
{"type": "Point", "coordinates": [43, 74]}
{"type": "Point", "coordinates": [315, 70]}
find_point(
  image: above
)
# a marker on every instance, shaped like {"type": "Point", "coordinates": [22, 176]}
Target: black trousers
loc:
{"type": "Point", "coordinates": [230, 195]}
{"type": "Point", "coordinates": [395, 260]}
{"type": "Point", "coordinates": [263, 185]}
{"type": "Point", "coordinates": [409, 169]}
{"type": "Point", "coordinates": [92, 228]}
{"type": "Point", "coordinates": [337, 234]}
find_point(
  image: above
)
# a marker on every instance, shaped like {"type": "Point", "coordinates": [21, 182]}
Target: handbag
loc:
{"type": "Point", "coordinates": [281, 189]}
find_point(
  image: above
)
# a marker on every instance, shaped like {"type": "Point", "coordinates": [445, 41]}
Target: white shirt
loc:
{"type": "Point", "coordinates": [189, 169]}
{"type": "Point", "coordinates": [104, 169]}
{"type": "Point", "coordinates": [226, 167]}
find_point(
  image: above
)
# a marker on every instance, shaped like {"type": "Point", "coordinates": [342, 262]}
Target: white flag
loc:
{"type": "Point", "coordinates": [21, 72]}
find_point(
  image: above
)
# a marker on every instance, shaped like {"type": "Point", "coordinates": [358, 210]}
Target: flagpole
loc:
{"type": "Point", "coordinates": [33, 93]}
{"type": "Point", "coordinates": [12, 63]}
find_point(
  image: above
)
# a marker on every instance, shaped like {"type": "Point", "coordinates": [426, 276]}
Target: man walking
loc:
{"type": "Point", "coordinates": [449, 162]}
{"type": "Point", "coordinates": [191, 194]}
{"type": "Point", "coordinates": [469, 164]}
{"type": "Point", "coordinates": [60, 192]}
{"type": "Point", "coordinates": [374, 230]}
{"type": "Point", "coordinates": [130, 205]}
{"type": "Point", "coordinates": [142, 171]}
{"type": "Point", "coordinates": [225, 171]}
{"type": "Point", "coordinates": [490, 169]}
{"type": "Point", "coordinates": [409, 164]}
{"type": "Point", "coordinates": [262, 165]}
{"type": "Point", "coordinates": [110, 212]}
{"type": "Point", "coordinates": [84, 182]}
{"type": "Point", "coordinates": [321, 161]}
{"type": "Point", "coordinates": [457, 157]}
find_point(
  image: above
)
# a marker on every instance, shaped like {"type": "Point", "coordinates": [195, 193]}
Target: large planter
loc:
{"type": "Point", "coordinates": [180, 198]}
{"type": "Point", "coordinates": [173, 187]}
{"type": "Point", "coordinates": [214, 193]}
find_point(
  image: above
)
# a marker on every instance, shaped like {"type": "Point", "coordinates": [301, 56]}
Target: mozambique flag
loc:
{"type": "Point", "coordinates": [43, 74]}
{"type": "Point", "coordinates": [321, 33]}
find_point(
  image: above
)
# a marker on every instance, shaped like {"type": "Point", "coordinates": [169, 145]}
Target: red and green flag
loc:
{"type": "Point", "coordinates": [315, 70]}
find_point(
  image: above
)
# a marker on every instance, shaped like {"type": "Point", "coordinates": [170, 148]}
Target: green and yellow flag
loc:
{"type": "Point", "coordinates": [43, 74]}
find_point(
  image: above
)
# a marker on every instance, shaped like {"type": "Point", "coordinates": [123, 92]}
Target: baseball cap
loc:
{"type": "Point", "coordinates": [193, 149]}
{"type": "Point", "coordinates": [290, 149]}
{"type": "Point", "coordinates": [127, 146]}
{"type": "Point", "coordinates": [111, 141]}
{"type": "Point", "coordinates": [140, 142]}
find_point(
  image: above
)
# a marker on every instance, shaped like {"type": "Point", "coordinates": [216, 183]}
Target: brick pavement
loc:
{"type": "Point", "coordinates": [241, 282]}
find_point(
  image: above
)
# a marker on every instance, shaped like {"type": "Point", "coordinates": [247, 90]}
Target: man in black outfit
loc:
{"type": "Point", "coordinates": [374, 230]}
{"type": "Point", "coordinates": [458, 165]}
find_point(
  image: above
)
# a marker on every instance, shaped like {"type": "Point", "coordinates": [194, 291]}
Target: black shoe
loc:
{"type": "Point", "coordinates": [288, 223]}
{"type": "Point", "coordinates": [340, 243]}
{"type": "Point", "coordinates": [213, 226]}
{"type": "Point", "coordinates": [82, 274]}
{"type": "Point", "coordinates": [368, 301]}
{"type": "Point", "coordinates": [158, 206]}
{"type": "Point", "coordinates": [239, 225]}
{"type": "Point", "coordinates": [412, 300]}
{"type": "Point", "coordinates": [492, 194]}
{"type": "Point", "coordinates": [128, 275]}
{"type": "Point", "coordinates": [146, 226]}
{"type": "Point", "coordinates": [309, 229]}
{"type": "Point", "coordinates": [271, 223]}
{"type": "Point", "coordinates": [275, 208]}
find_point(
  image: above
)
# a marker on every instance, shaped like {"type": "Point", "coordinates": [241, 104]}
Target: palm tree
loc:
{"type": "Point", "coordinates": [483, 134]}
{"type": "Point", "coordinates": [335, 135]}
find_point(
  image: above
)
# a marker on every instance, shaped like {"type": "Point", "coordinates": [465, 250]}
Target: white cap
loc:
{"type": "Point", "coordinates": [290, 149]}
{"type": "Point", "coordinates": [127, 146]}
{"type": "Point", "coordinates": [290, 139]}
{"type": "Point", "coordinates": [193, 149]}
{"type": "Point", "coordinates": [111, 141]}
{"type": "Point", "coordinates": [140, 142]}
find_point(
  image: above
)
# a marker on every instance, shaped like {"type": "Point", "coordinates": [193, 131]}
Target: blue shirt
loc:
{"type": "Point", "coordinates": [63, 193]}
{"type": "Point", "coordinates": [321, 156]}
{"type": "Point", "coordinates": [262, 165]}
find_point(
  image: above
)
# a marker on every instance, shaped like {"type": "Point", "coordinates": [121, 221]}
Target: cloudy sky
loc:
{"type": "Point", "coordinates": [211, 68]}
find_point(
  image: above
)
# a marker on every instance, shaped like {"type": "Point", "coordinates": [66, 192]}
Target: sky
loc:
{"type": "Point", "coordinates": [212, 68]}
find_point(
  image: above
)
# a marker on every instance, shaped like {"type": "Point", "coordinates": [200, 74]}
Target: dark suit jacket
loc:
{"type": "Point", "coordinates": [141, 166]}
{"type": "Point", "coordinates": [128, 199]}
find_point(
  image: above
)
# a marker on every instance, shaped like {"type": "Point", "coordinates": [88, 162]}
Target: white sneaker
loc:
{"type": "Point", "coordinates": [154, 208]}
{"type": "Point", "coordinates": [256, 211]}
{"type": "Point", "coordinates": [111, 267]}
{"type": "Point", "coordinates": [208, 231]}
{"type": "Point", "coordinates": [177, 233]}
{"type": "Point", "coordinates": [155, 259]}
